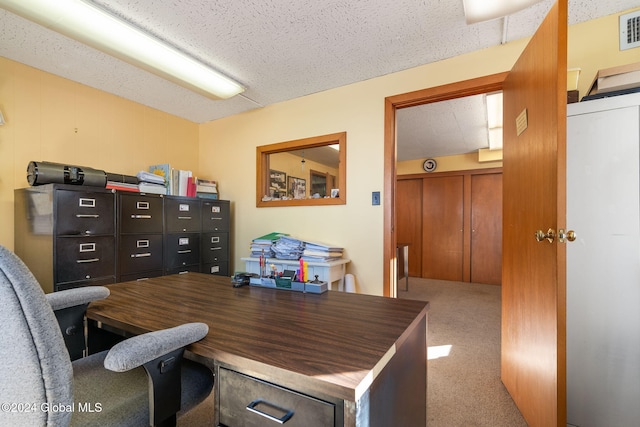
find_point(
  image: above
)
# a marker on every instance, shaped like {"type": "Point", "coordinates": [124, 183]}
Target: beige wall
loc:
{"type": "Point", "coordinates": [358, 109]}
{"type": "Point", "coordinates": [53, 119]}
{"type": "Point", "coordinates": [44, 111]}
{"type": "Point", "coordinates": [450, 163]}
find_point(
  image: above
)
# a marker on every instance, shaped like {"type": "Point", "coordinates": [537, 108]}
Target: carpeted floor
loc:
{"type": "Point", "coordinates": [463, 386]}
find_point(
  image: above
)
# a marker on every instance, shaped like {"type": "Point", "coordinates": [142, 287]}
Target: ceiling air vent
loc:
{"type": "Point", "coordinates": [630, 30]}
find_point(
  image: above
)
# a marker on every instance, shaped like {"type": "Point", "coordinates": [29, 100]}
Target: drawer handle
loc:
{"type": "Point", "coordinates": [87, 216]}
{"type": "Point", "coordinates": [216, 249]}
{"type": "Point", "coordinates": [185, 251]}
{"type": "Point", "coordinates": [184, 217]}
{"type": "Point", "coordinates": [146, 254]}
{"type": "Point", "coordinates": [141, 216]}
{"type": "Point", "coordinates": [216, 218]}
{"type": "Point", "coordinates": [283, 419]}
{"type": "Point", "coordinates": [85, 261]}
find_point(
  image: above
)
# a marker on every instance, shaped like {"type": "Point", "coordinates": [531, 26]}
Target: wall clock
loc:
{"type": "Point", "coordinates": [429, 165]}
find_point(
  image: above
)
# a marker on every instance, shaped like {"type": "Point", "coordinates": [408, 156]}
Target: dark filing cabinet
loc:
{"type": "Point", "coordinates": [140, 235]}
{"type": "Point", "coordinates": [183, 224]}
{"type": "Point", "coordinates": [71, 236]}
{"type": "Point", "coordinates": [66, 235]}
{"type": "Point", "coordinates": [216, 225]}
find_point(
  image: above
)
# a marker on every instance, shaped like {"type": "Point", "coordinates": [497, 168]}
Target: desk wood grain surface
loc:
{"type": "Point", "coordinates": [332, 342]}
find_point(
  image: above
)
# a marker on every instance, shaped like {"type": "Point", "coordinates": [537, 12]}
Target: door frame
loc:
{"type": "Point", "coordinates": [476, 86]}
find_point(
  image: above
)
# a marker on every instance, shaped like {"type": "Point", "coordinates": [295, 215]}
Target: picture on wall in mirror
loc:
{"type": "Point", "coordinates": [297, 187]}
{"type": "Point", "coordinates": [277, 184]}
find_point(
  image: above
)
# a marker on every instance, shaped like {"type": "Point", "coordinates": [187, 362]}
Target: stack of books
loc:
{"type": "Point", "coordinates": [182, 182]}
{"type": "Point", "coordinates": [206, 189]}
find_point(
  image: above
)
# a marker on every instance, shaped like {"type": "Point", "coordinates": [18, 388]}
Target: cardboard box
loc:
{"type": "Point", "coordinates": [616, 78]}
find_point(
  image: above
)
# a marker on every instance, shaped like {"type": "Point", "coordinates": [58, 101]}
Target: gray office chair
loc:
{"type": "Point", "coordinates": [39, 385]}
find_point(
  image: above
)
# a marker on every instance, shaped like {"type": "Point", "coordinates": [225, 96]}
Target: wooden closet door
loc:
{"type": "Point", "coordinates": [409, 221]}
{"type": "Point", "coordinates": [442, 212]}
{"type": "Point", "coordinates": [486, 229]}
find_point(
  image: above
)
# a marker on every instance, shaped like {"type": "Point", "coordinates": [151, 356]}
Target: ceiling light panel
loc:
{"type": "Point", "coordinates": [95, 27]}
{"type": "Point", "coordinates": [485, 10]}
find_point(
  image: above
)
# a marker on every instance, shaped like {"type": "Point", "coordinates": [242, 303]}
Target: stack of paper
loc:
{"type": "Point", "coordinates": [149, 182]}
{"type": "Point", "coordinates": [288, 248]}
{"type": "Point", "coordinates": [263, 246]}
{"type": "Point", "coordinates": [321, 252]}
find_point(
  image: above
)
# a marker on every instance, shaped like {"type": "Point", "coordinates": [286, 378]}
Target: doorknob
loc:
{"type": "Point", "coordinates": [566, 235]}
{"type": "Point", "coordinates": [549, 235]}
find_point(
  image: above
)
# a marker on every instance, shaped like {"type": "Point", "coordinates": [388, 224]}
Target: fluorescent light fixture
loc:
{"type": "Point", "coordinates": [95, 27]}
{"type": "Point", "coordinates": [494, 119]}
{"type": "Point", "coordinates": [485, 10]}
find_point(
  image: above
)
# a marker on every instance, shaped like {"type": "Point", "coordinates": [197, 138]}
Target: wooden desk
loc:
{"type": "Point", "coordinates": [370, 367]}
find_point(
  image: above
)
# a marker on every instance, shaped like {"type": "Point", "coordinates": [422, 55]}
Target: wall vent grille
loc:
{"type": "Point", "coordinates": [630, 30]}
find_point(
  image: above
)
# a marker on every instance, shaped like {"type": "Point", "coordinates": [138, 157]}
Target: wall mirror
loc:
{"type": "Point", "coordinates": [303, 172]}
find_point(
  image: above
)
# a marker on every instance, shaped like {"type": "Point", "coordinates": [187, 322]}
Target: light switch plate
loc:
{"type": "Point", "coordinates": [375, 198]}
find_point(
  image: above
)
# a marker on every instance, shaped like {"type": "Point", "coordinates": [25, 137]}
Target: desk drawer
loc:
{"type": "Point", "coordinates": [248, 402]}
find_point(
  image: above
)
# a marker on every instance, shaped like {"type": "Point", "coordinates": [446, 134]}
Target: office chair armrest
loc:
{"type": "Point", "coordinates": [160, 353]}
{"type": "Point", "coordinates": [78, 296]}
{"type": "Point", "coordinates": [141, 349]}
{"type": "Point", "coordinates": [70, 307]}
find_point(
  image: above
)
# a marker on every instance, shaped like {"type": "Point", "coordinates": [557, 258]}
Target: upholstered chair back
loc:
{"type": "Point", "coordinates": [35, 368]}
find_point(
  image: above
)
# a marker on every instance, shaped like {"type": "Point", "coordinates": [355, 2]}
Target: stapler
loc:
{"type": "Point", "coordinates": [242, 278]}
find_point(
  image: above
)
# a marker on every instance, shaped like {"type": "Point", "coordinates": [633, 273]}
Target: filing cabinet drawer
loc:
{"type": "Point", "coordinates": [182, 215]}
{"type": "Point", "coordinates": [249, 402]}
{"type": "Point", "coordinates": [181, 250]}
{"type": "Point", "coordinates": [215, 216]}
{"type": "Point", "coordinates": [80, 258]}
{"type": "Point", "coordinates": [140, 276]}
{"type": "Point", "coordinates": [84, 212]}
{"type": "Point", "coordinates": [217, 268]}
{"type": "Point", "coordinates": [215, 247]}
{"type": "Point", "coordinates": [194, 268]}
{"type": "Point", "coordinates": [140, 214]}
{"type": "Point", "coordinates": [81, 283]}
{"type": "Point", "coordinates": [140, 252]}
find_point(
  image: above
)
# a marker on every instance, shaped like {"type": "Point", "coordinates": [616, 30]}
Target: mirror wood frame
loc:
{"type": "Point", "coordinates": [262, 169]}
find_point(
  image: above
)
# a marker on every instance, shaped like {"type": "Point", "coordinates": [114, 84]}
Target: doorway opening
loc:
{"type": "Point", "coordinates": [481, 85]}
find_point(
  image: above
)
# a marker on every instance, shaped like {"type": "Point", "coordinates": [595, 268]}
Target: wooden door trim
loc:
{"type": "Point", "coordinates": [455, 90]}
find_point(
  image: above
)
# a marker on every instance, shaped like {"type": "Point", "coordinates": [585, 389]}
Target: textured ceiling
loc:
{"type": "Point", "coordinates": [277, 49]}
